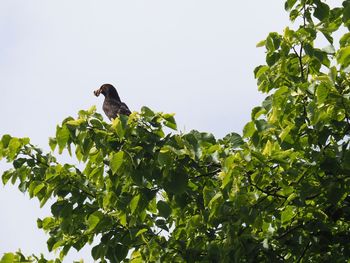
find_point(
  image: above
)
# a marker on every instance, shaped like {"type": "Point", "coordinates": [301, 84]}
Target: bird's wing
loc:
{"type": "Point", "coordinates": [124, 109]}
{"type": "Point", "coordinates": [111, 108]}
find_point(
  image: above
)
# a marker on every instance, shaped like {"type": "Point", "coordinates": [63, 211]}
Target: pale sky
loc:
{"type": "Point", "coordinates": [191, 57]}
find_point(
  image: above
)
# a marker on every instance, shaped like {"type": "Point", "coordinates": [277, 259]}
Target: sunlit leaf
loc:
{"type": "Point", "coordinates": [94, 219]}
{"type": "Point", "coordinates": [289, 4]}
{"type": "Point", "coordinates": [8, 258]}
{"type": "Point", "coordinates": [287, 214]}
{"type": "Point", "coordinates": [62, 137]}
{"type": "Point", "coordinates": [134, 203]}
{"type": "Point", "coordinates": [343, 56]}
{"type": "Point", "coordinates": [321, 93]}
{"type": "Point", "coordinates": [249, 129]}
{"type": "Point", "coordinates": [116, 161]}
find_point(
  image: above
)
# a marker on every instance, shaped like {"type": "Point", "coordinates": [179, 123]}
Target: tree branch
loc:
{"type": "Point", "coordinates": [304, 251]}
{"type": "Point", "coordinates": [271, 193]}
{"type": "Point", "coordinates": [289, 231]}
{"type": "Point", "coordinates": [208, 174]}
{"type": "Point", "coordinates": [300, 59]}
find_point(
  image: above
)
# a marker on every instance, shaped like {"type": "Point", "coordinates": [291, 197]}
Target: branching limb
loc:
{"type": "Point", "coordinates": [304, 251]}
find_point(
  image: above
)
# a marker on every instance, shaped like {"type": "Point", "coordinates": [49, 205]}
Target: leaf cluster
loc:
{"type": "Point", "coordinates": [278, 193]}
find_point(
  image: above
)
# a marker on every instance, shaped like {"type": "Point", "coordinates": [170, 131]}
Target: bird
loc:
{"type": "Point", "coordinates": [112, 105]}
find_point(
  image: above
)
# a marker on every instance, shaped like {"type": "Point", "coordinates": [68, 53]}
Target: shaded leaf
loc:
{"type": "Point", "coordinates": [163, 208]}
{"type": "Point", "coordinates": [321, 11]}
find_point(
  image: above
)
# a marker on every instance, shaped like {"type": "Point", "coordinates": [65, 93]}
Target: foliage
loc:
{"type": "Point", "coordinates": [19, 257]}
{"type": "Point", "coordinates": [279, 193]}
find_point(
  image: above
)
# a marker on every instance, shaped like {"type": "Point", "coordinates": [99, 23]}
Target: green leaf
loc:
{"type": "Point", "coordinates": [98, 251]}
{"type": "Point", "coordinates": [108, 200]}
{"type": "Point", "coordinates": [5, 139]}
{"type": "Point", "coordinates": [96, 123]}
{"type": "Point", "coordinates": [8, 258]}
{"type": "Point", "coordinates": [272, 58]}
{"type": "Point", "coordinates": [52, 143]}
{"type": "Point", "coordinates": [257, 112]}
{"type": "Point", "coordinates": [14, 147]}
{"type": "Point", "coordinates": [18, 163]}
{"type": "Point", "coordinates": [176, 182]}
{"type": "Point", "coordinates": [164, 157]}
{"type": "Point", "coordinates": [321, 93]}
{"type": "Point", "coordinates": [268, 148]}
{"type": "Point", "coordinates": [119, 126]}
{"type": "Point", "coordinates": [343, 56]}
{"type": "Point", "coordinates": [147, 112]}
{"type": "Point", "coordinates": [293, 14]}
{"type": "Point", "coordinates": [346, 13]}
{"type": "Point", "coordinates": [6, 176]}
{"type": "Point", "coordinates": [328, 37]}
{"type": "Point", "coordinates": [47, 223]}
{"type": "Point", "coordinates": [58, 244]}
{"type": "Point", "coordinates": [164, 209]}
{"type": "Point", "coordinates": [261, 125]}
{"type": "Point", "coordinates": [56, 208]}
{"type": "Point", "coordinates": [51, 242]}
{"type": "Point", "coordinates": [261, 43]}
{"type": "Point", "coordinates": [134, 203]}
{"type": "Point", "coordinates": [195, 221]}
{"type": "Point", "coordinates": [91, 110]}
{"type": "Point", "coordinates": [287, 214]}
{"type": "Point", "coordinates": [321, 11]}
{"type": "Point", "coordinates": [136, 257]}
{"type": "Point", "coordinates": [62, 137]}
{"type": "Point", "coordinates": [345, 40]}
{"type": "Point", "coordinates": [38, 188]}
{"type": "Point", "coordinates": [280, 95]}
{"type": "Point", "coordinates": [170, 121]}
{"type": "Point", "coordinates": [234, 139]}
{"type": "Point", "coordinates": [207, 195]}
{"type": "Point", "coordinates": [122, 219]}
{"type": "Point", "coordinates": [161, 223]}
{"type": "Point", "coordinates": [289, 4]}
{"type": "Point", "coordinates": [116, 161]}
{"type": "Point", "coordinates": [93, 220]}
{"type": "Point", "coordinates": [273, 42]}
{"type": "Point", "coordinates": [286, 131]}
{"type": "Point", "coordinates": [75, 123]}
{"type": "Point", "coordinates": [249, 129]}
{"type": "Point", "coordinates": [215, 200]}
{"type": "Point", "coordinates": [260, 70]}
{"type": "Point", "coordinates": [117, 253]}
{"type": "Point", "coordinates": [141, 231]}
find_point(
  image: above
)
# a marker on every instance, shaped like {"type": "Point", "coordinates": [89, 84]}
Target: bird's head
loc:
{"type": "Point", "coordinates": [108, 91]}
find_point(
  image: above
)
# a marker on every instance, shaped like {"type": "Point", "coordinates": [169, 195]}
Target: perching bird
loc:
{"type": "Point", "coordinates": [112, 105]}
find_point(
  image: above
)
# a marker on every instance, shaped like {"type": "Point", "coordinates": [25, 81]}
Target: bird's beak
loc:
{"type": "Point", "coordinates": [97, 92]}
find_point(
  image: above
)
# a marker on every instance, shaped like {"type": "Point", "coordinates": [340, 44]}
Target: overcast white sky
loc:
{"type": "Point", "coordinates": [191, 57]}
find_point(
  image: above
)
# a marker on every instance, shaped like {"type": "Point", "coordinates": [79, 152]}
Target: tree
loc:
{"type": "Point", "coordinates": [279, 192]}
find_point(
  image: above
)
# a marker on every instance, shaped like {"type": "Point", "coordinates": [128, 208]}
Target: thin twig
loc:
{"type": "Point", "coordinates": [289, 231]}
{"type": "Point", "coordinates": [304, 251]}
{"type": "Point", "coordinates": [271, 193]}
{"type": "Point", "coordinates": [209, 174]}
